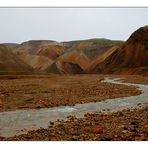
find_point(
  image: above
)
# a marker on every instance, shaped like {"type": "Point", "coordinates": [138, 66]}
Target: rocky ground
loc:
{"type": "Point", "coordinates": [54, 90]}
{"type": "Point", "coordinates": [68, 90]}
{"type": "Point", "coordinates": [124, 125]}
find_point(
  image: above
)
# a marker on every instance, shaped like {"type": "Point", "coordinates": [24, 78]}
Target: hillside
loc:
{"type": "Point", "coordinates": [12, 45]}
{"type": "Point", "coordinates": [65, 57]}
{"type": "Point", "coordinates": [86, 56]}
{"type": "Point", "coordinates": [81, 53]}
{"type": "Point", "coordinates": [133, 54]}
{"type": "Point", "coordinates": [39, 54]}
{"type": "Point", "coordinates": [9, 62]}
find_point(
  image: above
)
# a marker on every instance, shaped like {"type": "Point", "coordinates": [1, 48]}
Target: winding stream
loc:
{"type": "Point", "coordinates": [20, 121]}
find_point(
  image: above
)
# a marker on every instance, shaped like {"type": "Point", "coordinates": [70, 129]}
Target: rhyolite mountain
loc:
{"type": "Point", "coordinates": [131, 57]}
{"type": "Point", "coordinates": [9, 62]}
{"type": "Point", "coordinates": [87, 56]}
{"type": "Point", "coordinates": [81, 53]}
{"type": "Point", "coordinates": [64, 57]}
{"type": "Point", "coordinates": [40, 54]}
{"type": "Point", "coordinates": [12, 45]}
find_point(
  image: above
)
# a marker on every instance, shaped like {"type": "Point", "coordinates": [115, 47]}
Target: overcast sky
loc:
{"type": "Point", "coordinates": [63, 24]}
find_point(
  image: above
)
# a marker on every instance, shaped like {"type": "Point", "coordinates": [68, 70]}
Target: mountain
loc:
{"type": "Point", "coordinates": [9, 62]}
{"type": "Point", "coordinates": [64, 57]}
{"type": "Point", "coordinates": [50, 49]}
{"type": "Point", "coordinates": [40, 54]}
{"type": "Point", "coordinates": [131, 57]}
{"type": "Point", "coordinates": [12, 45]}
{"type": "Point", "coordinates": [85, 56]}
{"type": "Point", "coordinates": [79, 55]}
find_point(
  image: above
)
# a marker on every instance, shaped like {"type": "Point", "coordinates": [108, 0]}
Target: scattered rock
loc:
{"type": "Point", "coordinates": [97, 130]}
{"type": "Point", "coordinates": [86, 129]}
{"type": "Point", "coordinates": [51, 123]}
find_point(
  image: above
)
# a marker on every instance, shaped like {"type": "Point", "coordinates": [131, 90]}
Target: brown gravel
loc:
{"type": "Point", "coordinates": [125, 125]}
{"type": "Point", "coordinates": [22, 92]}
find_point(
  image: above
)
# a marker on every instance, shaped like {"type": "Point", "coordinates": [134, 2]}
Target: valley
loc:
{"type": "Point", "coordinates": [80, 114]}
{"type": "Point", "coordinates": [95, 89]}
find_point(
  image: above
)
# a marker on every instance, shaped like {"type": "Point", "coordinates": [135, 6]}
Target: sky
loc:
{"type": "Point", "coordinates": [65, 24]}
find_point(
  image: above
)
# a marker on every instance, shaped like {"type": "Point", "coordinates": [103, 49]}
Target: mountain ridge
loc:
{"type": "Point", "coordinates": [96, 55]}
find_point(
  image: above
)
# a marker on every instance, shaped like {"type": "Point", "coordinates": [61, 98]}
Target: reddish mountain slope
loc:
{"type": "Point", "coordinates": [9, 62]}
{"type": "Point", "coordinates": [39, 54]}
{"type": "Point", "coordinates": [132, 54]}
{"type": "Point", "coordinates": [64, 57]}
{"type": "Point", "coordinates": [81, 53]}
{"type": "Point", "coordinates": [40, 63]}
{"type": "Point", "coordinates": [50, 49]}
{"type": "Point", "coordinates": [86, 56]}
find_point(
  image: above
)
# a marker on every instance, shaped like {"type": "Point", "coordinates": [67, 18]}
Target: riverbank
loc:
{"type": "Point", "coordinates": [40, 119]}
{"type": "Point", "coordinates": [123, 125]}
{"type": "Point", "coordinates": [51, 91]}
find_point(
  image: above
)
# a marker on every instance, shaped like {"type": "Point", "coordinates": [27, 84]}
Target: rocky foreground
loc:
{"type": "Point", "coordinates": [124, 125]}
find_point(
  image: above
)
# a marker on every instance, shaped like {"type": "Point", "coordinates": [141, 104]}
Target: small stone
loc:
{"type": "Point", "coordinates": [146, 126]}
{"type": "Point", "coordinates": [116, 136]}
{"type": "Point", "coordinates": [125, 128]}
{"type": "Point", "coordinates": [134, 123]}
{"type": "Point", "coordinates": [97, 130]}
{"type": "Point", "coordinates": [124, 131]}
{"type": "Point", "coordinates": [122, 126]}
{"type": "Point", "coordinates": [86, 129]}
{"type": "Point", "coordinates": [141, 138]}
{"type": "Point", "coordinates": [51, 123]}
{"type": "Point", "coordinates": [38, 107]}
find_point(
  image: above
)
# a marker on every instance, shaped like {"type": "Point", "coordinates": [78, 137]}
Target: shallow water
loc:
{"type": "Point", "coordinates": [20, 121]}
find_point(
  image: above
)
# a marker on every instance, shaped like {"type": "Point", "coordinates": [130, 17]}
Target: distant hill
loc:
{"type": "Point", "coordinates": [74, 55]}
{"type": "Point", "coordinates": [12, 45]}
{"type": "Point", "coordinates": [40, 54]}
{"type": "Point", "coordinates": [82, 53]}
{"type": "Point", "coordinates": [9, 62]}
